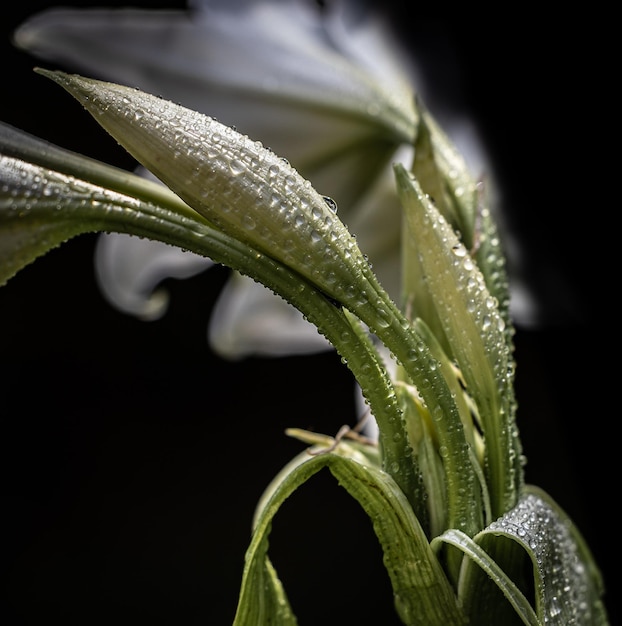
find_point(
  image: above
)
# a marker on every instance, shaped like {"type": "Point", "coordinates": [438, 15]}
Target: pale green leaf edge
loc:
{"type": "Point", "coordinates": [477, 555]}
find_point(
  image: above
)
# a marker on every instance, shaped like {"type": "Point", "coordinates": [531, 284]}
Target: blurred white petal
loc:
{"type": "Point", "coordinates": [249, 319]}
{"type": "Point", "coordinates": [129, 271]}
{"type": "Point", "coordinates": [245, 63]}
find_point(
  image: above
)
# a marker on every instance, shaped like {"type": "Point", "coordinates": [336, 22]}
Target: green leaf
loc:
{"type": "Point", "coordinates": [538, 560]}
{"type": "Point", "coordinates": [445, 177]}
{"type": "Point", "coordinates": [423, 439]}
{"type": "Point", "coordinates": [489, 594]}
{"type": "Point", "coordinates": [398, 457]}
{"type": "Point", "coordinates": [49, 195]}
{"type": "Point", "coordinates": [423, 595]}
{"type": "Point", "coordinates": [475, 330]}
{"type": "Point", "coordinates": [263, 600]}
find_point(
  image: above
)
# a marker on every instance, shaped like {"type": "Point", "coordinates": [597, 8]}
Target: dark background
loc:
{"type": "Point", "coordinates": [133, 457]}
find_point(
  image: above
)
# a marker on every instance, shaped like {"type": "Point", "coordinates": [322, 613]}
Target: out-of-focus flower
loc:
{"type": "Point", "coordinates": [311, 83]}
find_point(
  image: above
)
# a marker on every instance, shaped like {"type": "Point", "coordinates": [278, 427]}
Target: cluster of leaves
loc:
{"type": "Point", "coordinates": [465, 540]}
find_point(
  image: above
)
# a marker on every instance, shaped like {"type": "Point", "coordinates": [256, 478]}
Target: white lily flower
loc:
{"type": "Point", "coordinates": [311, 84]}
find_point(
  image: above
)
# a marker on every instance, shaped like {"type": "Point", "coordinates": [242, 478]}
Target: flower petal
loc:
{"type": "Point", "coordinates": [248, 320]}
{"type": "Point", "coordinates": [244, 63]}
{"type": "Point", "coordinates": [129, 270]}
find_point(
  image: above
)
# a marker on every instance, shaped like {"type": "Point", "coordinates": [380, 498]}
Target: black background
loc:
{"type": "Point", "coordinates": [133, 457]}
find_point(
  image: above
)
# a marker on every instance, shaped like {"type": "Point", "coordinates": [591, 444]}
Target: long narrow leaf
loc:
{"type": "Point", "coordinates": [489, 605]}
{"type": "Point", "coordinates": [475, 331]}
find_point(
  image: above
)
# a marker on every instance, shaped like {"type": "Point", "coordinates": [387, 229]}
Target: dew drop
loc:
{"type": "Point", "coordinates": [332, 205]}
{"type": "Point", "coordinates": [273, 171]}
{"type": "Point", "coordinates": [236, 167]}
{"type": "Point", "coordinates": [249, 222]}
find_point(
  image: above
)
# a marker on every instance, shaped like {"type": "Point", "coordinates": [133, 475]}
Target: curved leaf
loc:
{"type": "Point", "coordinates": [31, 222]}
{"type": "Point", "coordinates": [539, 561]}
{"type": "Point", "coordinates": [489, 605]}
{"type": "Point", "coordinates": [423, 595]}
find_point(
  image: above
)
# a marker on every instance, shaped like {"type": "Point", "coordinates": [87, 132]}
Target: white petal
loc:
{"type": "Point", "coordinates": [246, 64]}
{"type": "Point", "coordinates": [368, 39]}
{"type": "Point", "coordinates": [248, 319]}
{"type": "Point", "coordinates": [129, 269]}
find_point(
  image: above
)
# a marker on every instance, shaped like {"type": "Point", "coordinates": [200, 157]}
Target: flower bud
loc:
{"type": "Point", "coordinates": [242, 188]}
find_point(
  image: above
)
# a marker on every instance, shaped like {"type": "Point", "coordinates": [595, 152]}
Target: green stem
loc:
{"type": "Point", "coordinates": [412, 351]}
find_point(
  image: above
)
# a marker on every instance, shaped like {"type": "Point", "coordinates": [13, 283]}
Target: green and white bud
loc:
{"type": "Point", "coordinates": [241, 187]}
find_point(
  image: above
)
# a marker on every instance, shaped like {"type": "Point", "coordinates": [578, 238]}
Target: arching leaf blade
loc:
{"type": "Point", "coordinates": [42, 208]}
{"type": "Point", "coordinates": [492, 581]}
{"type": "Point", "coordinates": [50, 195]}
{"type": "Point", "coordinates": [423, 594]}
{"type": "Point", "coordinates": [539, 561]}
